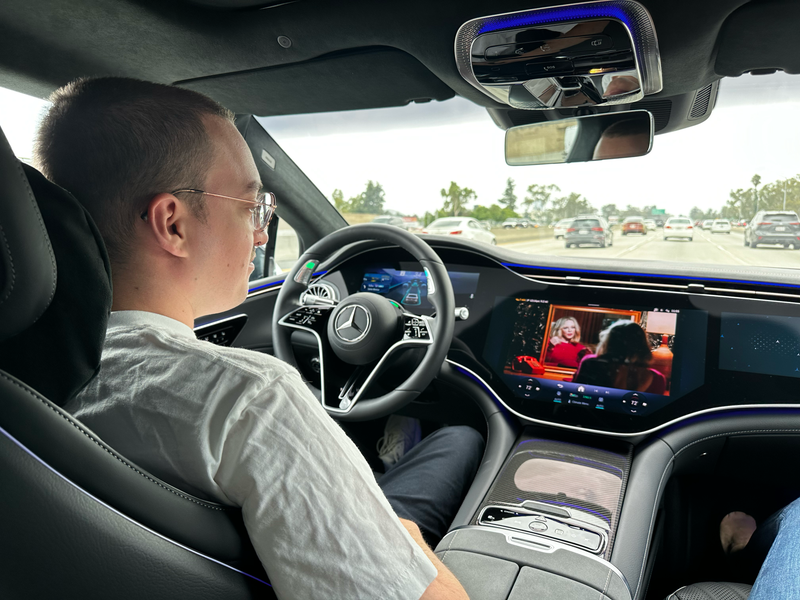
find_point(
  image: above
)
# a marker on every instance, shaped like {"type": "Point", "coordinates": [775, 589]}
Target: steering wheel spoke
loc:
{"type": "Point", "coordinates": [313, 318]}
{"type": "Point", "coordinates": [417, 332]}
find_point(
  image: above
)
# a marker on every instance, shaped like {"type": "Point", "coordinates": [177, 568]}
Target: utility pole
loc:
{"type": "Point", "coordinates": [784, 195]}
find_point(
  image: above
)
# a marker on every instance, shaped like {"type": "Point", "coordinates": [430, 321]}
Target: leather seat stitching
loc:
{"type": "Point", "coordinates": [13, 274]}
{"type": "Point", "coordinates": [101, 445]}
{"type": "Point", "coordinates": [38, 214]}
{"type": "Point", "coordinates": [605, 586]}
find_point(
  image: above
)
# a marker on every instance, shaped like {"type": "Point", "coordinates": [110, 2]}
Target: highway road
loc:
{"type": "Point", "coordinates": [708, 248]}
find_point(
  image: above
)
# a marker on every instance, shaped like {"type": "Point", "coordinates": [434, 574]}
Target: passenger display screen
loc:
{"type": "Point", "coordinates": [623, 359]}
{"type": "Point", "coordinates": [410, 288]}
{"type": "Point", "coordinates": [764, 344]}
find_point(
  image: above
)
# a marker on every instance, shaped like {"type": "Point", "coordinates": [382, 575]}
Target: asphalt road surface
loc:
{"type": "Point", "coordinates": [708, 248]}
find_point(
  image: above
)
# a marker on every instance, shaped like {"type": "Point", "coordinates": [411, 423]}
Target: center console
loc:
{"type": "Point", "coordinates": [547, 525]}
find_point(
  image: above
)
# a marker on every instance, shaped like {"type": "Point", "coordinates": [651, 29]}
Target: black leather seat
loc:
{"type": "Point", "coordinates": [78, 520]}
{"type": "Point", "coordinates": [712, 591]}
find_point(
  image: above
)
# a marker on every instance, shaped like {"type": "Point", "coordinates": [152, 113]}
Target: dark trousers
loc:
{"type": "Point", "coordinates": [429, 483]}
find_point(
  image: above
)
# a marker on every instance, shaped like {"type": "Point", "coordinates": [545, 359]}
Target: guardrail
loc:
{"type": "Point", "coordinates": [505, 236]}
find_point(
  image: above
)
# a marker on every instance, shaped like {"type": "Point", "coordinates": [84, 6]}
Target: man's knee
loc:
{"type": "Point", "coordinates": [461, 437]}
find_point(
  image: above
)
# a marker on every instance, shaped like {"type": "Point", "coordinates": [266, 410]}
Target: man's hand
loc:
{"type": "Point", "coordinates": [445, 586]}
{"type": "Point", "coordinates": [555, 340]}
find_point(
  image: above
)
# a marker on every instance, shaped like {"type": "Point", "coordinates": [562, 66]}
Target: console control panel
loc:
{"type": "Point", "coordinates": [565, 530]}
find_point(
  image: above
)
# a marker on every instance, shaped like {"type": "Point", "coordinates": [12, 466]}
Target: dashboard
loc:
{"type": "Point", "coordinates": [605, 354]}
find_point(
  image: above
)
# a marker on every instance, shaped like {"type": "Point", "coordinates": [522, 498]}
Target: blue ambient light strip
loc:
{"type": "Point", "coordinates": [556, 15]}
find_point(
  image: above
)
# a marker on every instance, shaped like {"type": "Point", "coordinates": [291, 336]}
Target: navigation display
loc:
{"type": "Point", "coordinates": [410, 288]}
{"type": "Point", "coordinates": [624, 359]}
{"type": "Point", "coordinates": [764, 344]}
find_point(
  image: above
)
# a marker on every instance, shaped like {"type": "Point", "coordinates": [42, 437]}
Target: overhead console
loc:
{"type": "Point", "coordinates": [597, 53]}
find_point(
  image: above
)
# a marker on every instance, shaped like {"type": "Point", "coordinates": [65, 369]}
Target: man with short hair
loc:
{"type": "Point", "coordinates": [176, 195]}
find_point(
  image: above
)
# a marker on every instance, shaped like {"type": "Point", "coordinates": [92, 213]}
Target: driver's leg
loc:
{"type": "Point", "coordinates": [779, 578]}
{"type": "Point", "coordinates": [429, 483]}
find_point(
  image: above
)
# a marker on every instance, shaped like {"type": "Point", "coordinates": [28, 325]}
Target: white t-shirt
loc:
{"type": "Point", "coordinates": [241, 428]}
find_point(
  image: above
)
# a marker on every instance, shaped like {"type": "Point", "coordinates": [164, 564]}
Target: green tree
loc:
{"type": "Point", "coordinates": [456, 199]}
{"type": "Point", "coordinates": [339, 202]}
{"type": "Point", "coordinates": [571, 205]}
{"type": "Point", "coordinates": [772, 195]}
{"type": "Point", "coordinates": [371, 200]}
{"type": "Point", "coordinates": [495, 212]}
{"type": "Point", "coordinates": [608, 210]}
{"type": "Point", "coordinates": [538, 197]}
{"type": "Point", "coordinates": [744, 201]}
{"type": "Point", "coordinates": [509, 198]}
{"type": "Point", "coordinates": [696, 214]}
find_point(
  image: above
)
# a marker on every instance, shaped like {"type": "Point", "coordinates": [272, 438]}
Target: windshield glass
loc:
{"type": "Point", "coordinates": [446, 159]}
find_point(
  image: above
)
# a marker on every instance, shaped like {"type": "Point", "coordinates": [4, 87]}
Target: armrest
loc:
{"type": "Point", "coordinates": [493, 564]}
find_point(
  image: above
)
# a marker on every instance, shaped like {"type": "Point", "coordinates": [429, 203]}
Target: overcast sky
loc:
{"type": "Point", "coordinates": [414, 151]}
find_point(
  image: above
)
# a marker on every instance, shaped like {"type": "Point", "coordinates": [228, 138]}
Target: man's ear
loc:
{"type": "Point", "coordinates": [168, 221]}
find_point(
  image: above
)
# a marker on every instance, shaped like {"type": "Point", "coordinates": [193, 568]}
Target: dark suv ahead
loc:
{"type": "Point", "coordinates": [773, 227]}
{"type": "Point", "coordinates": [589, 230]}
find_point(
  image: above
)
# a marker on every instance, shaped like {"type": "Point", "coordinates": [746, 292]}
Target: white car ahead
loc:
{"type": "Point", "coordinates": [721, 226]}
{"type": "Point", "coordinates": [678, 227]}
{"type": "Point", "coordinates": [561, 228]}
{"type": "Point", "coordinates": [466, 227]}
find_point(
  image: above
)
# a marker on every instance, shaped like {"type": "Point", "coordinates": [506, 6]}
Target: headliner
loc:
{"type": "Point", "coordinates": [348, 54]}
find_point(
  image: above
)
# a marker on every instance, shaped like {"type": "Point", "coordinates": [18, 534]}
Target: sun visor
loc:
{"type": "Point", "coordinates": [761, 38]}
{"type": "Point", "coordinates": [367, 78]}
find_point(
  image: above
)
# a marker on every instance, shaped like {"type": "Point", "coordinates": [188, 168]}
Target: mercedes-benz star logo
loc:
{"type": "Point", "coordinates": [352, 324]}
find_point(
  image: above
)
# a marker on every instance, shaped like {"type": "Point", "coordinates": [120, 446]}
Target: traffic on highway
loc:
{"type": "Point", "coordinates": [703, 247]}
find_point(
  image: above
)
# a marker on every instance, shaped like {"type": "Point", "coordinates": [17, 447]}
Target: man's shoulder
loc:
{"type": "Point", "coordinates": [201, 355]}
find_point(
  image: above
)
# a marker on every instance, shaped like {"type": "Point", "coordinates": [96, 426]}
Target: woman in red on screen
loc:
{"type": "Point", "coordinates": [565, 349]}
{"type": "Point", "coordinates": [622, 361]}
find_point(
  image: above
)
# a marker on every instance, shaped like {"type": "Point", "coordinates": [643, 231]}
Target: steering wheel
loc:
{"type": "Point", "coordinates": [358, 336]}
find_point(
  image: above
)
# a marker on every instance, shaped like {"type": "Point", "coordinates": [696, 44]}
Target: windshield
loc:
{"type": "Point", "coordinates": [446, 159]}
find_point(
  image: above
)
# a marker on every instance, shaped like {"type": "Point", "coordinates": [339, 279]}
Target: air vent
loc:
{"type": "Point", "coordinates": [701, 102]}
{"type": "Point", "coordinates": [221, 333]}
{"type": "Point", "coordinates": [660, 109]}
{"type": "Point", "coordinates": [321, 289]}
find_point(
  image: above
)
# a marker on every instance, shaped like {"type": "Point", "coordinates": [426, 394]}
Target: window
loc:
{"type": "Point", "coordinates": [287, 247]}
{"type": "Point", "coordinates": [19, 118]}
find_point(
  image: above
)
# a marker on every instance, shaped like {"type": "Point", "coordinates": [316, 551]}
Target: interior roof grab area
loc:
{"type": "Point", "coordinates": [586, 54]}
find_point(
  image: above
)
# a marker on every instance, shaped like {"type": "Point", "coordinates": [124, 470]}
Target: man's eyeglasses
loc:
{"type": "Point", "coordinates": [263, 206]}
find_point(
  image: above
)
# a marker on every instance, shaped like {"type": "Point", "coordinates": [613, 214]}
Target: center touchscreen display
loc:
{"type": "Point", "coordinates": [632, 360]}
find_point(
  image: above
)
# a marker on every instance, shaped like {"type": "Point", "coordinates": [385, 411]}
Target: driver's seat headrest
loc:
{"type": "Point", "coordinates": [55, 283]}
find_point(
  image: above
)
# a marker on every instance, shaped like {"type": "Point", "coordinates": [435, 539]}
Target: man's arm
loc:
{"type": "Point", "coordinates": [445, 586]}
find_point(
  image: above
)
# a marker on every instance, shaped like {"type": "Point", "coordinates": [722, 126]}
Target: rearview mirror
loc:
{"type": "Point", "coordinates": [580, 139]}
